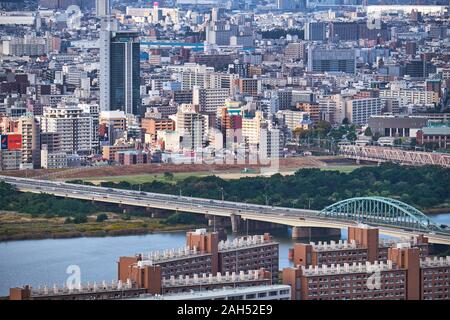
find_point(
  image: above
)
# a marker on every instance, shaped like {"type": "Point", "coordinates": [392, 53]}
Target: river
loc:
{"type": "Point", "coordinates": [38, 262]}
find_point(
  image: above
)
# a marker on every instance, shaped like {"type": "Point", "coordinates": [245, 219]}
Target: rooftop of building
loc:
{"type": "Point", "coordinates": [131, 152]}
{"type": "Point", "coordinates": [436, 130]}
{"type": "Point", "coordinates": [345, 245]}
{"type": "Point", "coordinates": [163, 256]}
{"type": "Point", "coordinates": [195, 280]}
{"type": "Point", "coordinates": [369, 267]}
{"type": "Point", "coordinates": [398, 116]}
{"type": "Point", "coordinates": [245, 243]}
{"type": "Point", "coordinates": [431, 262]}
{"type": "Point", "coordinates": [346, 268]}
{"type": "Point", "coordinates": [90, 287]}
{"type": "Point", "coordinates": [216, 293]}
{"type": "Point", "coordinates": [333, 245]}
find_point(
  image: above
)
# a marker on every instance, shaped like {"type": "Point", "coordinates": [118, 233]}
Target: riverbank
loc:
{"type": "Point", "coordinates": [21, 226]}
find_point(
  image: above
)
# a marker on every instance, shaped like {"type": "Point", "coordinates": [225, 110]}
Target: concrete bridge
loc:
{"type": "Point", "coordinates": [392, 217]}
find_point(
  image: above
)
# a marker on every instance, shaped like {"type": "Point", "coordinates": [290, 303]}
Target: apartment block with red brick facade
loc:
{"type": "Point", "coordinates": [404, 276]}
{"type": "Point", "coordinates": [363, 245]}
{"type": "Point", "coordinates": [204, 253]}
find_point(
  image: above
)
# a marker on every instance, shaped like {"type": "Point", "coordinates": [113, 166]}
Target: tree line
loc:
{"type": "Point", "coordinates": [423, 187]}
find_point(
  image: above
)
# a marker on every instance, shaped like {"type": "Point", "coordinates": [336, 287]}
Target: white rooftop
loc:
{"type": "Point", "coordinates": [221, 293]}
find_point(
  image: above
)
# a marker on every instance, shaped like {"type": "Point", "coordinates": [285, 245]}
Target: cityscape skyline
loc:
{"type": "Point", "coordinates": [298, 150]}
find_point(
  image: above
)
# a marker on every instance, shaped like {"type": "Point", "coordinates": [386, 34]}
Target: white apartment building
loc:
{"type": "Point", "coordinates": [358, 111]}
{"type": "Point", "coordinates": [209, 100]}
{"type": "Point", "coordinates": [53, 160]}
{"type": "Point", "coordinates": [293, 119]}
{"type": "Point", "coordinates": [205, 80]}
{"type": "Point", "coordinates": [414, 96]}
{"type": "Point", "coordinates": [27, 46]}
{"type": "Point", "coordinates": [10, 159]}
{"type": "Point", "coordinates": [327, 109]}
{"type": "Point", "coordinates": [171, 140]}
{"type": "Point", "coordinates": [29, 129]}
{"type": "Point", "coordinates": [74, 126]}
{"type": "Point", "coordinates": [251, 128]}
{"type": "Point", "coordinates": [264, 292]}
{"type": "Point", "coordinates": [192, 127]}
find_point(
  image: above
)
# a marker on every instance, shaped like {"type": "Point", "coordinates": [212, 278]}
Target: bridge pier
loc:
{"type": "Point", "coordinates": [310, 232]}
{"type": "Point", "coordinates": [159, 213]}
{"type": "Point", "coordinates": [235, 222]}
{"type": "Point", "coordinates": [218, 222]}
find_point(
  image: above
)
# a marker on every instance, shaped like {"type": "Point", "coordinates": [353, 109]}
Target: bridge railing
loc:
{"type": "Point", "coordinates": [395, 155]}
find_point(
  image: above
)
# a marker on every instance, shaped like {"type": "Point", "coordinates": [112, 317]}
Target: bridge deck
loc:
{"type": "Point", "coordinates": [279, 215]}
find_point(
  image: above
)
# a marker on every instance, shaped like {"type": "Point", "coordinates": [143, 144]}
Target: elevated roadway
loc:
{"type": "Point", "coordinates": [279, 215]}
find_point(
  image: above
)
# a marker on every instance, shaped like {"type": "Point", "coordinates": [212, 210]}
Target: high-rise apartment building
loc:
{"type": "Point", "coordinates": [74, 126]}
{"type": "Point", "coordinates": [403, 276]}
{"type": "Point", "coordinates": [363, 244]}
{"type": "Point", "coordinates": [29, 128]}
{"type": "Point", "coordinates": [358, 111]}
{"type": "Point", "coordinates": [120, 71]}
{"type": "Point", "coordinates": [191, 126]}
{"type": "Point", "coordinates": [102, 8]}
{"type": "Point", "coordinates": [251, 127]}
{"type": "Point", "coordinates": [204, 253]}
{"type": "Point", "coordinates": [209, 100]}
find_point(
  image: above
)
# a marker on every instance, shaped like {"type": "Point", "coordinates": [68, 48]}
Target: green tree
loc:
{"type": "Point", "coordinates": [168, 175]}
{"type": "Point", "coordinates": [351, 136]}
{"type": "Point", "coordinates": [102, 217]}
{"type": "Point", "coordinates": [368, 132]}
{"type": "Point", "coordinates": [79, 219]}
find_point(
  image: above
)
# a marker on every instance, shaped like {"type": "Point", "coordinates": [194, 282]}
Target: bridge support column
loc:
{"type": "Point", "coordinates": [308, 232]}
{"type": "Point", "coordinates": [235, 222]}
{"type": "Point", "coordinates": [159, 213]}
{"type": "Point", "coordinates": [219, 222]}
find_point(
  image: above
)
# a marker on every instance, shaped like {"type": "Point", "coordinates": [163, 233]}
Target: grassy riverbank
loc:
{"type": "Point", "coordinates": [22, 226]}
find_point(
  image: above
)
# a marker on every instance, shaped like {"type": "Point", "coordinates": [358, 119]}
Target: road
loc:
{"type": "Point", "coordinates": [280, 215]}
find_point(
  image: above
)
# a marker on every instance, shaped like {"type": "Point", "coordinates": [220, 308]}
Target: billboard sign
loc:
{"type": "Point", "coordinates": [4, 142]}
{"type": "Point", "coordinates": [14, 141]}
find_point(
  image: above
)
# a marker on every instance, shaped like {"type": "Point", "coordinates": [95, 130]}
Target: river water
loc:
{"type": "Point", "coordinates": [39, 262]}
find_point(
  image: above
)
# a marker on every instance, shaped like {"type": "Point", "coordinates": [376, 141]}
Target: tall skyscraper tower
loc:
{"type": "Point", "coordinates": [120, 71]}
{"type": "Point", "coordinates": [102, 8]}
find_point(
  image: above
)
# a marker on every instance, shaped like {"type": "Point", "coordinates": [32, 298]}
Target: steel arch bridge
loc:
{"type": "Point", "coordinates": [381, 211]}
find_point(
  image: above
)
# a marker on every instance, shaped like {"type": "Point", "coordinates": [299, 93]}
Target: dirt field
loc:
{"type": "Point", "coordinates": [285, 165]}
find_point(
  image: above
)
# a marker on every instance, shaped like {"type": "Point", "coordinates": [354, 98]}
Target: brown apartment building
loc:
{"type": "Point", "coordinates": [149, 282]}
{"type": "Point", "coordinates": [204, 263]}
{"type": "Point", "coordinates": [204, 253]}
{"type": "Point", "coordinates": [404, 276]}
{"type": "Point", "coordinates": [363, 245]}
{"type": "Point", "coordinates": [151, 126]}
